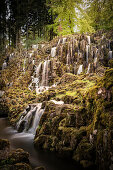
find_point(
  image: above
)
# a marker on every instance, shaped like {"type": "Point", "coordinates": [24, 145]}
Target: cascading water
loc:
{"type": "Point", "coordinates": [38, 69]}
{"type": "Point", "coordinates": [110, 54]}
{"type": "Point", "coordinates": [35, 46]}
{"type": "Point", "coordinates": [87, 53]}
{"type": "Point", "coordinates": [68, 56]}
{"type": "Point", "coordinates": [64, 40]}
{"type": "Point", "coordinates": [88, 39]}
{"type": "Point", "coordinates": [58, 42]}
{"type": "Point", "coordinates": [1, 93]}
{"type": "Point", "coordinates": [29, 121]}
{"type": "Point", "coordinates": [80, 69]}
{"type": "Point", "coordinates": [53, 51]}
{"type": "Point", "coordinates": [4, 65]}
{"type": "Point", "coordinates": [45, 73]}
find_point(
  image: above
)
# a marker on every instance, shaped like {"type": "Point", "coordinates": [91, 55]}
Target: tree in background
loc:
{"type": "Point", "coordinates": [3, 14]}
{"type": "Point", "coordinates": [64, 15]}
{"type": "Point", "coordinates": [101, 13]}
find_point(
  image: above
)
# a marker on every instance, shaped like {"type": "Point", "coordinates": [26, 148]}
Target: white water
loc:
{"type": "Point", "coordinates": [67, 62]}
{"type": "Point", "coordinates": [1, 93]}
{"type": "Point", "coordinates": [40, 78]}
{"type": "Point", "coordinates": [29, 121]}
{"type": "Point", "coordinates": [30, 54]}
{"type": "Point", "coordinates": [95, 61]}
{"type": "Point", "coordinates": [80, 69]}
{"type": "Point", "coordinates": [38, 114]}
{"type": "Point", "coordinates": [57, 102]}
{"type": "Point", "coordinates": [53, 51]}
{"type": "Point", "coordinates": [38, 69]}
{"type": "Point", "coordinates": [35, 46]}
{"type": "Point", "coordinates": [58, 42]}
{"type": "Point", "coordinates": [37, 158]}
{"type": "Point", "coordinates": [11, 56]}
{"type": "Point", "coordinates": [110, 54]}
{"type": "Point", "coordinates": [88, 39]}
{"type": "Point", "coordinates": [45, 73]}
{"type": "Point", "coordinates": [4, 65]}
{"type": "Point", "coordinates": [87, 53]}
{"type": "Point", "coordinates": [42, 45]}
{"type": "Point", "coordinates": [64, 40]}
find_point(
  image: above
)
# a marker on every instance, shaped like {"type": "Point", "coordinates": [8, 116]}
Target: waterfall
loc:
{"type": "Point", "coordinates": [29, 120]}
{"type": "Point", "coordinates": [36, 84]}
{"type": "Point", "coordinates": [88, 70]}
{"type": "Point", "coordinates": [45, 73]}
{"type": "Point", "coordinates": [53, 51]}
{"type": "Point", "coordinates": [11, 56]}
{"type": "Point", "coordinates": [58, 42]}
{"type": "Point", "coordinates": [57, 102]}
{"type": "Point", "coordinates": [64, 40]}
{"type": "Point", "coordinates": [95, 61]}
{"type": "Point", "coordinates": [80, 69]}
{"type": "Point", "coordinates": [4, 65]}
{"type": "Point", "coordinates": [88, 39]}
{"type": "Point", "coordinates": [67, 62]}
{"type": "Point", "coordinates": [68, 55]}
{"type": "Point", "coordinates": [110, 54]}
{"type": "Point", "coordinates": [1, 93]}
{"type": "Point", "coordinates": [38, 70]}
{"type": "Point", "coordinates": [30, 54]}
{"type": "Point", "coordinates": [33, 62]}
{"type": "Point", "coordinates": [87, 53]}
{"type": "Point", "coordinates": [35, 46]}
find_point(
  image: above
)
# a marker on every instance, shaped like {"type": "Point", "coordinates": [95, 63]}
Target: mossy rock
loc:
{"type": "Point", "coordinates": [84, 151]}
{"type": "Point", "coordinates": [110, 63]}
{"type": "Point", "coordinates": [19, 155]}
{"type": "Point", "coordinates": [4, 109]}
{"type": "Point", "coordinates": [39, 141]}
{"type": "Point", "coordinates": [2, 84]}
{"type": "Point", "coordinates": [22, 166]}
{"type": "Point", "coordinates": [68, 78]}
{"type": "Point", "coordinates": [40, 168]}
{"type": "Point", "coordinates": [108, 79]}
{"type": "Point", "coordinates": [4, 143]}
{"type": "Point", "coordinates": [18, 166]}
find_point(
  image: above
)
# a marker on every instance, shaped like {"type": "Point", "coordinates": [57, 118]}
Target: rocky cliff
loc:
{"type": "Point", "coordinates": [72, 77]}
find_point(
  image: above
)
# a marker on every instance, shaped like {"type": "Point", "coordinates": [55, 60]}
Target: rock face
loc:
{"type": "Point", "coordinates": [72, 77]}
{"type": "Point", "coordinates": [81, 129]}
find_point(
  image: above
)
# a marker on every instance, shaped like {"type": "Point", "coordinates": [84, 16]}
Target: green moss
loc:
{"type": "Point", "coordinates": [108, 78]}
{"type": "Point", "coordinates": [71, 93]}
{"type": "Point", "coordinates": [110, 63]}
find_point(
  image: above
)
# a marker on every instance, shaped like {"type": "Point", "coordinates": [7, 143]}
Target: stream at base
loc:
{"type": "Point", "coordinates": [37, 158]}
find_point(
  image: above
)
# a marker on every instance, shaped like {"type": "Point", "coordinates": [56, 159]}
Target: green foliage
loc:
{"type": "Point", "coordinates": [31, 41]}
{"type": "Point", "coordinates": [84, 23]}
{"type": "Point", "coordinates": [64, 15]}
{"type": "Point", "coordinates": [101, 13]}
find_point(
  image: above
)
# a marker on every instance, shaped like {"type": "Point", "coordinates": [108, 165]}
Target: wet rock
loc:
{"type": "Point", "coordinates": [40, 168]}
{"type": "Point", "coordinates": [17, 166]}
{"type": "Point", "coordinates": [4, 149]}
{"type": "Point", "coordinates": [4, 143]}
{"type": "Point", "coordinates": [22, 166]}
{"type": "Point", "coordinates": [19, 155]}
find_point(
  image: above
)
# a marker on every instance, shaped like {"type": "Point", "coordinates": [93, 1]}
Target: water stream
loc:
{"type": "Point", "coordinates": [37, 158]}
